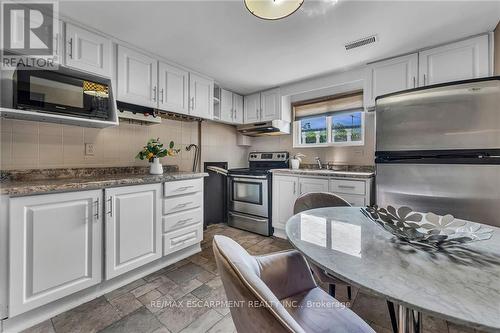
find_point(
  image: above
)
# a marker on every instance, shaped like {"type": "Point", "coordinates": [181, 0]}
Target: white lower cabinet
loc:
{"type": "Point", "coordinates": [133, 227]}
{"type": "Point", "coordinates": [182, 238]}
{"type": "Point", "coordinates": [285, 192]}
{"type": "Point", "coordinates": [287, 188]}
{"type": "Point", "coordinates": [182, 214]}
{"type": "Point", "coordinates": [55, 247]}
{"type": "Point", "coordinates": [307, 185]}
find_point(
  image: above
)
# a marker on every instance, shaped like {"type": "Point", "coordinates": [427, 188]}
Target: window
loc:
{"type": "Point", "coordinates": [346, 127]}
{"type": "Point", "coordinates": [337, 120]}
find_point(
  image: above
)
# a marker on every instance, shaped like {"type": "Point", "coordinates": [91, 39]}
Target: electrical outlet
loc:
{"type": "Point", "coordinates": [89, 149]}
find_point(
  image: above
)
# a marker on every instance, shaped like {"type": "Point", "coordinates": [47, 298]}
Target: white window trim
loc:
{"type": "Point", "coordinates": [296, 136]}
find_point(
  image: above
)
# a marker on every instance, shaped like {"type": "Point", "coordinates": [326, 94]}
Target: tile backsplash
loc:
{"type": "Point", "coordinates": [32, 145]}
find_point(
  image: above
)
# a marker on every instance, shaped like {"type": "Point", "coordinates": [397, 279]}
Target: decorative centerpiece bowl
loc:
{"type": "Point", "coordinates": [426, 229]}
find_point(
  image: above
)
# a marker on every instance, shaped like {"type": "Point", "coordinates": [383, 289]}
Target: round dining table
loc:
{"type": "Point", "coordinates": [460, 284]}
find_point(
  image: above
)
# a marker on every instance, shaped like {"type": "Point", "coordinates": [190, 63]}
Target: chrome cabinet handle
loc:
{"type": "Point", "coordinates": [300, 188]}
{"type": "Point", "coordinates": [414, 82]}
{"type": "Point", "coordinates": [183, 239]}
{"type": "Point", "coordinates": [184, 204]}
{"type": "Point", "coordinates": [347, 186]}
{"type": "Point", "coordinates": [57, 44]}
{"type": "Point", "coordinates": [184, 188]}
{"type": "Point", "coordinates": [154, 94]}
{"type": "Point", "coordinates": [110, 212]}
{"type": "Point", "coordinates": [96, 215]}
{"type": "Point", "coordinates": [424, 79]}
{"type": "Point", "coordinates": [192, 103]}
{"type": "Point", "coordinates": [184, 221]}
{"type": "Point", "coordinates": [70, 48]}
{"type": "Point", "coordinates": [294, 188]}
{"type": "Point", "coordinates": [161, 95]}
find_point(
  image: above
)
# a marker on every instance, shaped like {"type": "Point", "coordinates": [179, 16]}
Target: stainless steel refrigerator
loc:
{"type": "Point", "coordinates": [438, 149]}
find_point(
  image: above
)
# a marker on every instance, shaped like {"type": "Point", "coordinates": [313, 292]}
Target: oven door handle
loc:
{"type": "Point", "coordinates": [247, 217]}
{"type": "Point", "coordinates": [247, 176]}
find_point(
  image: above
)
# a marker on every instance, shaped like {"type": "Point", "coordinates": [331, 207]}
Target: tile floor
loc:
{"type": "Point", "coordinates": [137, 307]}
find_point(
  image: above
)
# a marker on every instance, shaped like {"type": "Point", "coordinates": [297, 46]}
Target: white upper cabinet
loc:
{"type": "Point", "coordinates": [137, 78]}
{"type": "Point", "coordinates": [251, 108]}
{"type": "Point", "coordinates": [133, 227]}
{"type": "Point", "coordinates": [174, 88]}
{"type": "Point", "coordinates": [55, 247]}
{"type": "Point", "coordinates": [462, 60]}
{"type": "Point", "coordinates": [264, 106]}
{"type": "Point", "coordinates": [201, 92]}
{"type": "Point", "coordinates": [391, 75]}
{"type": "Point", "coordinates": [270, 105]}
{"type": "Point", "coordinates": [87, 51]}
{"type": "Point", "coordinates": [238, 109]}
{"type": "Point", "coordinates": [230, 107]}
{"type": "Point", "coordinates": [226, 106]}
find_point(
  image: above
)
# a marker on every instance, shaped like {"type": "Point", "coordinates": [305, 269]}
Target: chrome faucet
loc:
{"type": "Point", "coordinates": [196, 155]}
{"type": "Point", "coordinates": [319, 162]}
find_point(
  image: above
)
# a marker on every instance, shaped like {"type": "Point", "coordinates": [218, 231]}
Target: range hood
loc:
{"type": "Point", "coordinates": [274, 127]}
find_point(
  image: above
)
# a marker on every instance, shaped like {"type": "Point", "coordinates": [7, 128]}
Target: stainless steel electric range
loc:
{"type": "Point", "coordinates": [250, 192]}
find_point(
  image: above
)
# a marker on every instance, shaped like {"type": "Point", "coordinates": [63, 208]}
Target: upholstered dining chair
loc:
{"type": "Point", "coordinates": [277, 293]}
{"type": "Point", "coordinates": [319, 200]}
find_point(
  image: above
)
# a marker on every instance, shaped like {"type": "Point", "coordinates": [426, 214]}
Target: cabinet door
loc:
{"type": "Point", "coordinates": [173, 85]}
{"type": "Point", "coordinates": [133, 227]}
{"type": "Point", "coordinates": [201, 92]}
{"type": "Point", "coordinates": [226, 105]}
{"type": "Point", "coordinates": [238, 109]}
{"type": "Point", "coordinates": [463, 60]}
{"type": "Point", "coordinates": [55, 247]}
{"type": "Point", "coordinates": [308, 185]}
{"type": "Point", "coordinates": [88, 51]}
{"type": "Point", "coordinates": [391, 75]}
{"type": "Point", "coordinates": [270, 104]}
{"type": "Point", "coordinates": [137, 78]}
{"type": "Point", "coordinates": [251, 107]}
{"type": "Point", "coordinates": [285, 192]}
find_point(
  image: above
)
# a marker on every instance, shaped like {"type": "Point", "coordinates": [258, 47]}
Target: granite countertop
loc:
{"type": "Point", "coordinates": [326, 173]}
{"type": "Point", "coordinates": [57, 180]}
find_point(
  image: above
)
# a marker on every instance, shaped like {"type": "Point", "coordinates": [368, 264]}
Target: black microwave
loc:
{"type": "Point", "coordinates": [62, 91]}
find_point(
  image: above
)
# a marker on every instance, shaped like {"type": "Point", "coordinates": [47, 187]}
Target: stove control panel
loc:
{"type": "Point", "coordinates": [280, 156]}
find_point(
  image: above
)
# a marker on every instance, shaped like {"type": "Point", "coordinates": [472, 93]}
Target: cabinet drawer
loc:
{"type": "Point", "coordinates": [183, 202]}
{"type": "Point", "coordinates": [182, 219]}
{"type": "Point", "coordinates": [353, 200]}
{"type": "Point", "coordinates": [182, 238]}
{"type": "Point", "coordinates": [182, 187]}
{"type": "Point", "coordinates": [347, 186]}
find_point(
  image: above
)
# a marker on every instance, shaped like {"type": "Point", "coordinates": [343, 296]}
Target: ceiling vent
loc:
{"type": "Point", "coordinates": [361, 42]}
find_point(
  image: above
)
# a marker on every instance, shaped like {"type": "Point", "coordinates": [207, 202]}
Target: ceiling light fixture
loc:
{"type": "Point", "coordinates": [273, 9]}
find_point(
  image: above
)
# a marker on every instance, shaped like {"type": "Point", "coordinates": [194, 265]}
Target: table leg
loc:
{"type": "Point", "coordinates": [402, 319]}
{"type": "Point", "coordinates": [409, 321]}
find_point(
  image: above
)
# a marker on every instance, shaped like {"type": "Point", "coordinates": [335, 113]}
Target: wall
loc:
{"type": "Point", "coordinates": [26, 145]}
{"type": "Point", "coordinates": [497, 49]}
{"type": "Point", "coordinates": [324, 86]}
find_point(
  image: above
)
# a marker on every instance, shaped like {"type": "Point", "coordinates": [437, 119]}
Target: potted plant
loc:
{"type": "Point", "coordinates": [153, 151]}
{"type": "Point", "coordinates": [295, 160]}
